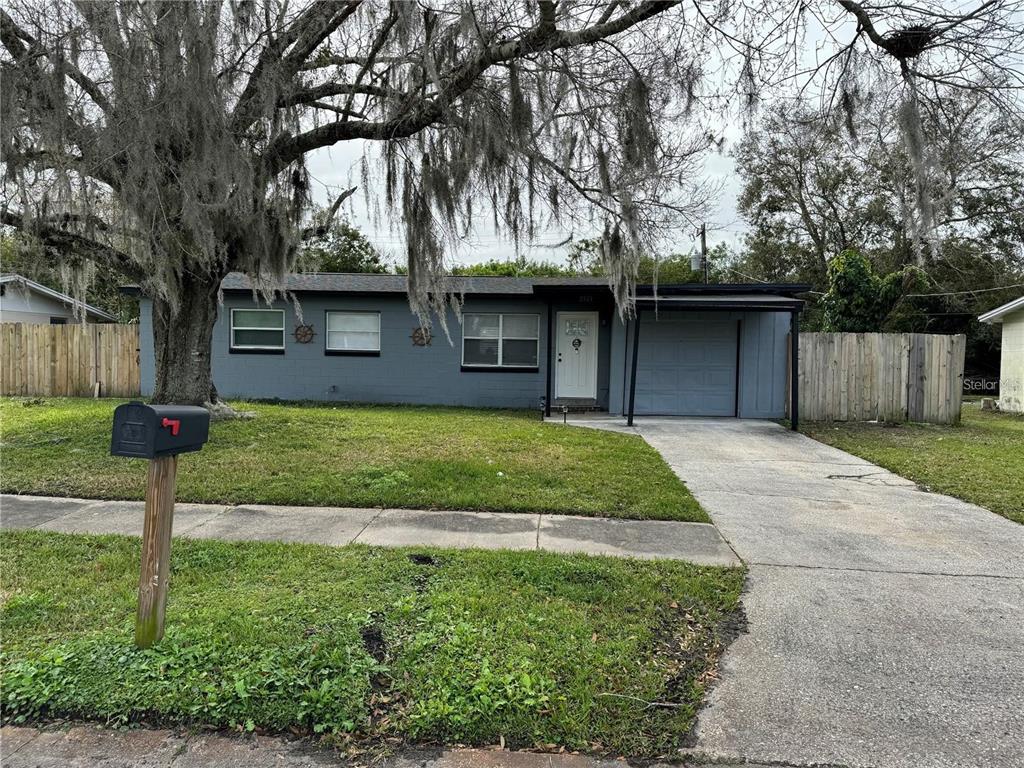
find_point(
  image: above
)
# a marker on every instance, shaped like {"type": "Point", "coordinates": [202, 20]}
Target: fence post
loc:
{"type": "Point", "coordinates": [794, 370]}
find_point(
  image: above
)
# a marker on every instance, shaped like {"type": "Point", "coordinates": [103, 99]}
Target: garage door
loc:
{"type": "Point", "coordinates": [686, 368]}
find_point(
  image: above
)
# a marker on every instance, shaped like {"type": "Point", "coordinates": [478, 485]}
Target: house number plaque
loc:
{"type": "Point", "coordinates": [576, 327]}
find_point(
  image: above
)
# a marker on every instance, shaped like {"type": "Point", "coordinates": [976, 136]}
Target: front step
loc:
{"type": "Point", "coordinates": [576, 405]}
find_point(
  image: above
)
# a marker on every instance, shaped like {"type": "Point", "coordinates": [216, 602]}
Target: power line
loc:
{"type": "Point", "coordinates": [960, 293]}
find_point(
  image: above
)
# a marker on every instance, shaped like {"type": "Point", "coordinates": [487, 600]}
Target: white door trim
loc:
{"type": "Point", "coordinates": [563, 350]}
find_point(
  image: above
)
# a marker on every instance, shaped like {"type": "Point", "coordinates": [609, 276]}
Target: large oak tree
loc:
{"type": "Point", "coordinates": [170, 138]}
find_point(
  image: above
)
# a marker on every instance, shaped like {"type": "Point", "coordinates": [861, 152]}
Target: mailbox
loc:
{"type": "Point", "coordinates": [151, 431]}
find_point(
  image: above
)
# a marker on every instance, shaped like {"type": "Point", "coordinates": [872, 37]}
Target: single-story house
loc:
{"type": "Point", "coordinates": [26, 301]}
{"type": "Point", "coordinates": [694, 350]}
{"type": "Point", "coordinates": [1011, 356]}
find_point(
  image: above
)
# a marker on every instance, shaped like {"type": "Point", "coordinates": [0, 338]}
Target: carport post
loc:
{"type": "Point", "coordinates": [550, 360]}
{"type": "Point", "coordinates": [794, 377]}
{"type": "Point", "coordinates": [632, 371]}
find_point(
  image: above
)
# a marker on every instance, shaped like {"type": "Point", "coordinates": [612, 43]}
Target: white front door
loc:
{"type": "Point", "coordinates": [576, 354]}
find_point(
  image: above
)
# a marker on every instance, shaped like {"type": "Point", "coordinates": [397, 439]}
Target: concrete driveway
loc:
{"type": "Point", "coordinates": [886, 624]}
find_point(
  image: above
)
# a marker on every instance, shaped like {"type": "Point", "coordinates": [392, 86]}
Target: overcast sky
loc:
{"type": "Point", "coordinates": [337, 168]}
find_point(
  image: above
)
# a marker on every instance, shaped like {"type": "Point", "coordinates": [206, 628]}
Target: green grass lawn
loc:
{"type": "Point", "coordinates": [431, 646]}
{"type": "Point", "coordinates": [981, 460]}
{"type": "Point", "coordinates": [359, 456]}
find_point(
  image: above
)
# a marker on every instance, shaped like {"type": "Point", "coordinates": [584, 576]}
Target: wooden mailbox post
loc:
{"type": "Point", "coordinates": [158, 433]}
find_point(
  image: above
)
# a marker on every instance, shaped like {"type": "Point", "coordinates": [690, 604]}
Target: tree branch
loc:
{"type": "Point", "coordinates": [311, 28]}
{"type": "Point", "coordinates": [333, 60]}
{"type": "Point", "coordinates": [309, 95]}
{"type": "Point", "coordinates": [865, 23]}
{"type": "Point", "coordinates": [322, 226]}
{"type": "Point", "coordinates": [12, 36]}
{"type": "Point", "coordinates": [313, 36]}
{"type": "Point", "coordinates": [66, 243]}
{"type": "Point", "coordinates": [539, 38]}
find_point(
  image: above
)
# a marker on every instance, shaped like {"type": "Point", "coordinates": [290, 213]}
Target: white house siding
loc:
{"type": "Point", "coordinates": [18, 305]}
{"type": "Point", "coordinates": [1011, 366]}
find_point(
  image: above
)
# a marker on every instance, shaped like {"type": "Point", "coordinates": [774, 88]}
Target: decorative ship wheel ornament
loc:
{"type": "Point", "coordinates": [421, 337]}
{"type": "Point", "coordinates": [304, 333]}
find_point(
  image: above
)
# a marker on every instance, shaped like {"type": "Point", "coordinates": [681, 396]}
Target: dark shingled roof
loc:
{"type": "Point", "coordinates": [339, 282]}
{"type": "Point", "coordinates": [346, 282]}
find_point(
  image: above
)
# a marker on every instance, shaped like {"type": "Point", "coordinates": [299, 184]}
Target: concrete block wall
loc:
{"type": "Point", "coordinates": [403, 373]}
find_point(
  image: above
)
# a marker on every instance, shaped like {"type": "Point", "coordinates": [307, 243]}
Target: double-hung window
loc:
{"type": "Point", "coordinates": [500, 341]}
{"type": "Point", "coordinates": [257, 330]}
{"type": "Point", "coordinates": [353, 333]}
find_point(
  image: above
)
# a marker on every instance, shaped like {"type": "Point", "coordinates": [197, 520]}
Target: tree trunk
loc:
{"type": "Point", "coordinates": [182, 337]}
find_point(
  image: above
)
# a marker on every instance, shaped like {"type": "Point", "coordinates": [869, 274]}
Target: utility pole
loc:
{"type": "Point", "coordinates": [704, 250]}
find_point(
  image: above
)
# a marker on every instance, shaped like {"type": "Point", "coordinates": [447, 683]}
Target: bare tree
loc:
{"type": "Point", "coordinates": [924, 53]}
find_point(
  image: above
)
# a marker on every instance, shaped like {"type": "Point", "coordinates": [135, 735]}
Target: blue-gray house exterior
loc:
{"type": "Point", "coordinates": [701, 350]}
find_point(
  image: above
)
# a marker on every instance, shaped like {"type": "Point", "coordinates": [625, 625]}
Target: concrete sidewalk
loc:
{"type": "Point", "coordinates": [90, 746]}
{"type": "Point", "coordinates": [698, 543]}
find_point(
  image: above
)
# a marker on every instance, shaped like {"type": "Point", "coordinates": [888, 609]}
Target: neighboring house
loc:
{"type": "Point", "coordinates": [26, 301]}
{"type": "Point", "coordinates": [1011, 363]}
{"type": "Point", "coordinates": [704, 350]}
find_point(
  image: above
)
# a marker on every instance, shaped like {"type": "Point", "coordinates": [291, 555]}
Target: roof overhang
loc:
{"type": "Point", "coordinates": [727, 301]}
{"type": "Point", "coordinates": [719, 296]}
{"type": "Point", "coordinates": [997, 314]}
{"type": "Point", "coordinates": [74, 303]}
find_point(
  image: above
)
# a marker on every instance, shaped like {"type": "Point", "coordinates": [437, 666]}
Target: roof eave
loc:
{"type": "Point", "coordinates": [89, 309]}
{"type": "Point", "coordinates": [996, 315]}
{"type": "Point", "coordinates": [793, 305]}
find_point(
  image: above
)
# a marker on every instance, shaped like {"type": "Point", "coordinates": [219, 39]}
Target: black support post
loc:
{"type": "Point", "coordinates": [794, 373]}
{"type": "Point", "coordinates": [632, 371]}
{"type": "Point", "coordinates": [551, 356]}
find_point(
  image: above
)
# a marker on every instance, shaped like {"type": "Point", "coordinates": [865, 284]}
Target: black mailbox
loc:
{"type": "Point", "coordinates": [151, 431]}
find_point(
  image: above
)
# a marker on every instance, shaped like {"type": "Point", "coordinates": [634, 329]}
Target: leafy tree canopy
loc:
{"type": "Point", "coordinates": [517, 268]}
{"type": "Point", "coordinates": [814, 187]}
{"type": "Point", "coordinates": [585, 258]}
{"type": "Point", "coordinates": [99, 285]}
{"type": "Point", "coordinates": [340, 247]}
{"type": "Point", "coordinates": [860, 301]}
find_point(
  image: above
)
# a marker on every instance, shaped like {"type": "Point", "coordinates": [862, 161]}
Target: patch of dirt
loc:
{"type": "Point", "coordinates": [422, 559]}
{"type": "Point", "coordinates": [422, 578]}
{"type": "Point", "coordinates": [372, 635]}
{"type": "Point", "coordinates": [690, 650]}
{"type": "Point", "coordinates": [733, 625]}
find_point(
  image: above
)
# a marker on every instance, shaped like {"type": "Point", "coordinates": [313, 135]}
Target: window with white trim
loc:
{"type": "Point", "coordinates": [353, 332]}
{"type": "Point", "coordinates": [500, 340]}
{"type": "Point", "coordinates": [257, 329]}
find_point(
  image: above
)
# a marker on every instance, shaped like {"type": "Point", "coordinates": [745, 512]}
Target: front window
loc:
{"type": "Point", "coordinates": [500, 341]}
{"type": "Point", "coordinates": [353, 332]}
{"type": "Point", "coordinates": [257, 329]}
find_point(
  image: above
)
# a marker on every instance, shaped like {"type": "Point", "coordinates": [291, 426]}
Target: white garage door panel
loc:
{"type": "Point", "coordinates": [686, 368]}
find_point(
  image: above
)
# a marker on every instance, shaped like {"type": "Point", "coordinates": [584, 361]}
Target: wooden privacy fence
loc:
{"type": "Point", "coordinates": [881, 376]}
{"type": "Point", "coordinates": [71, 360]}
